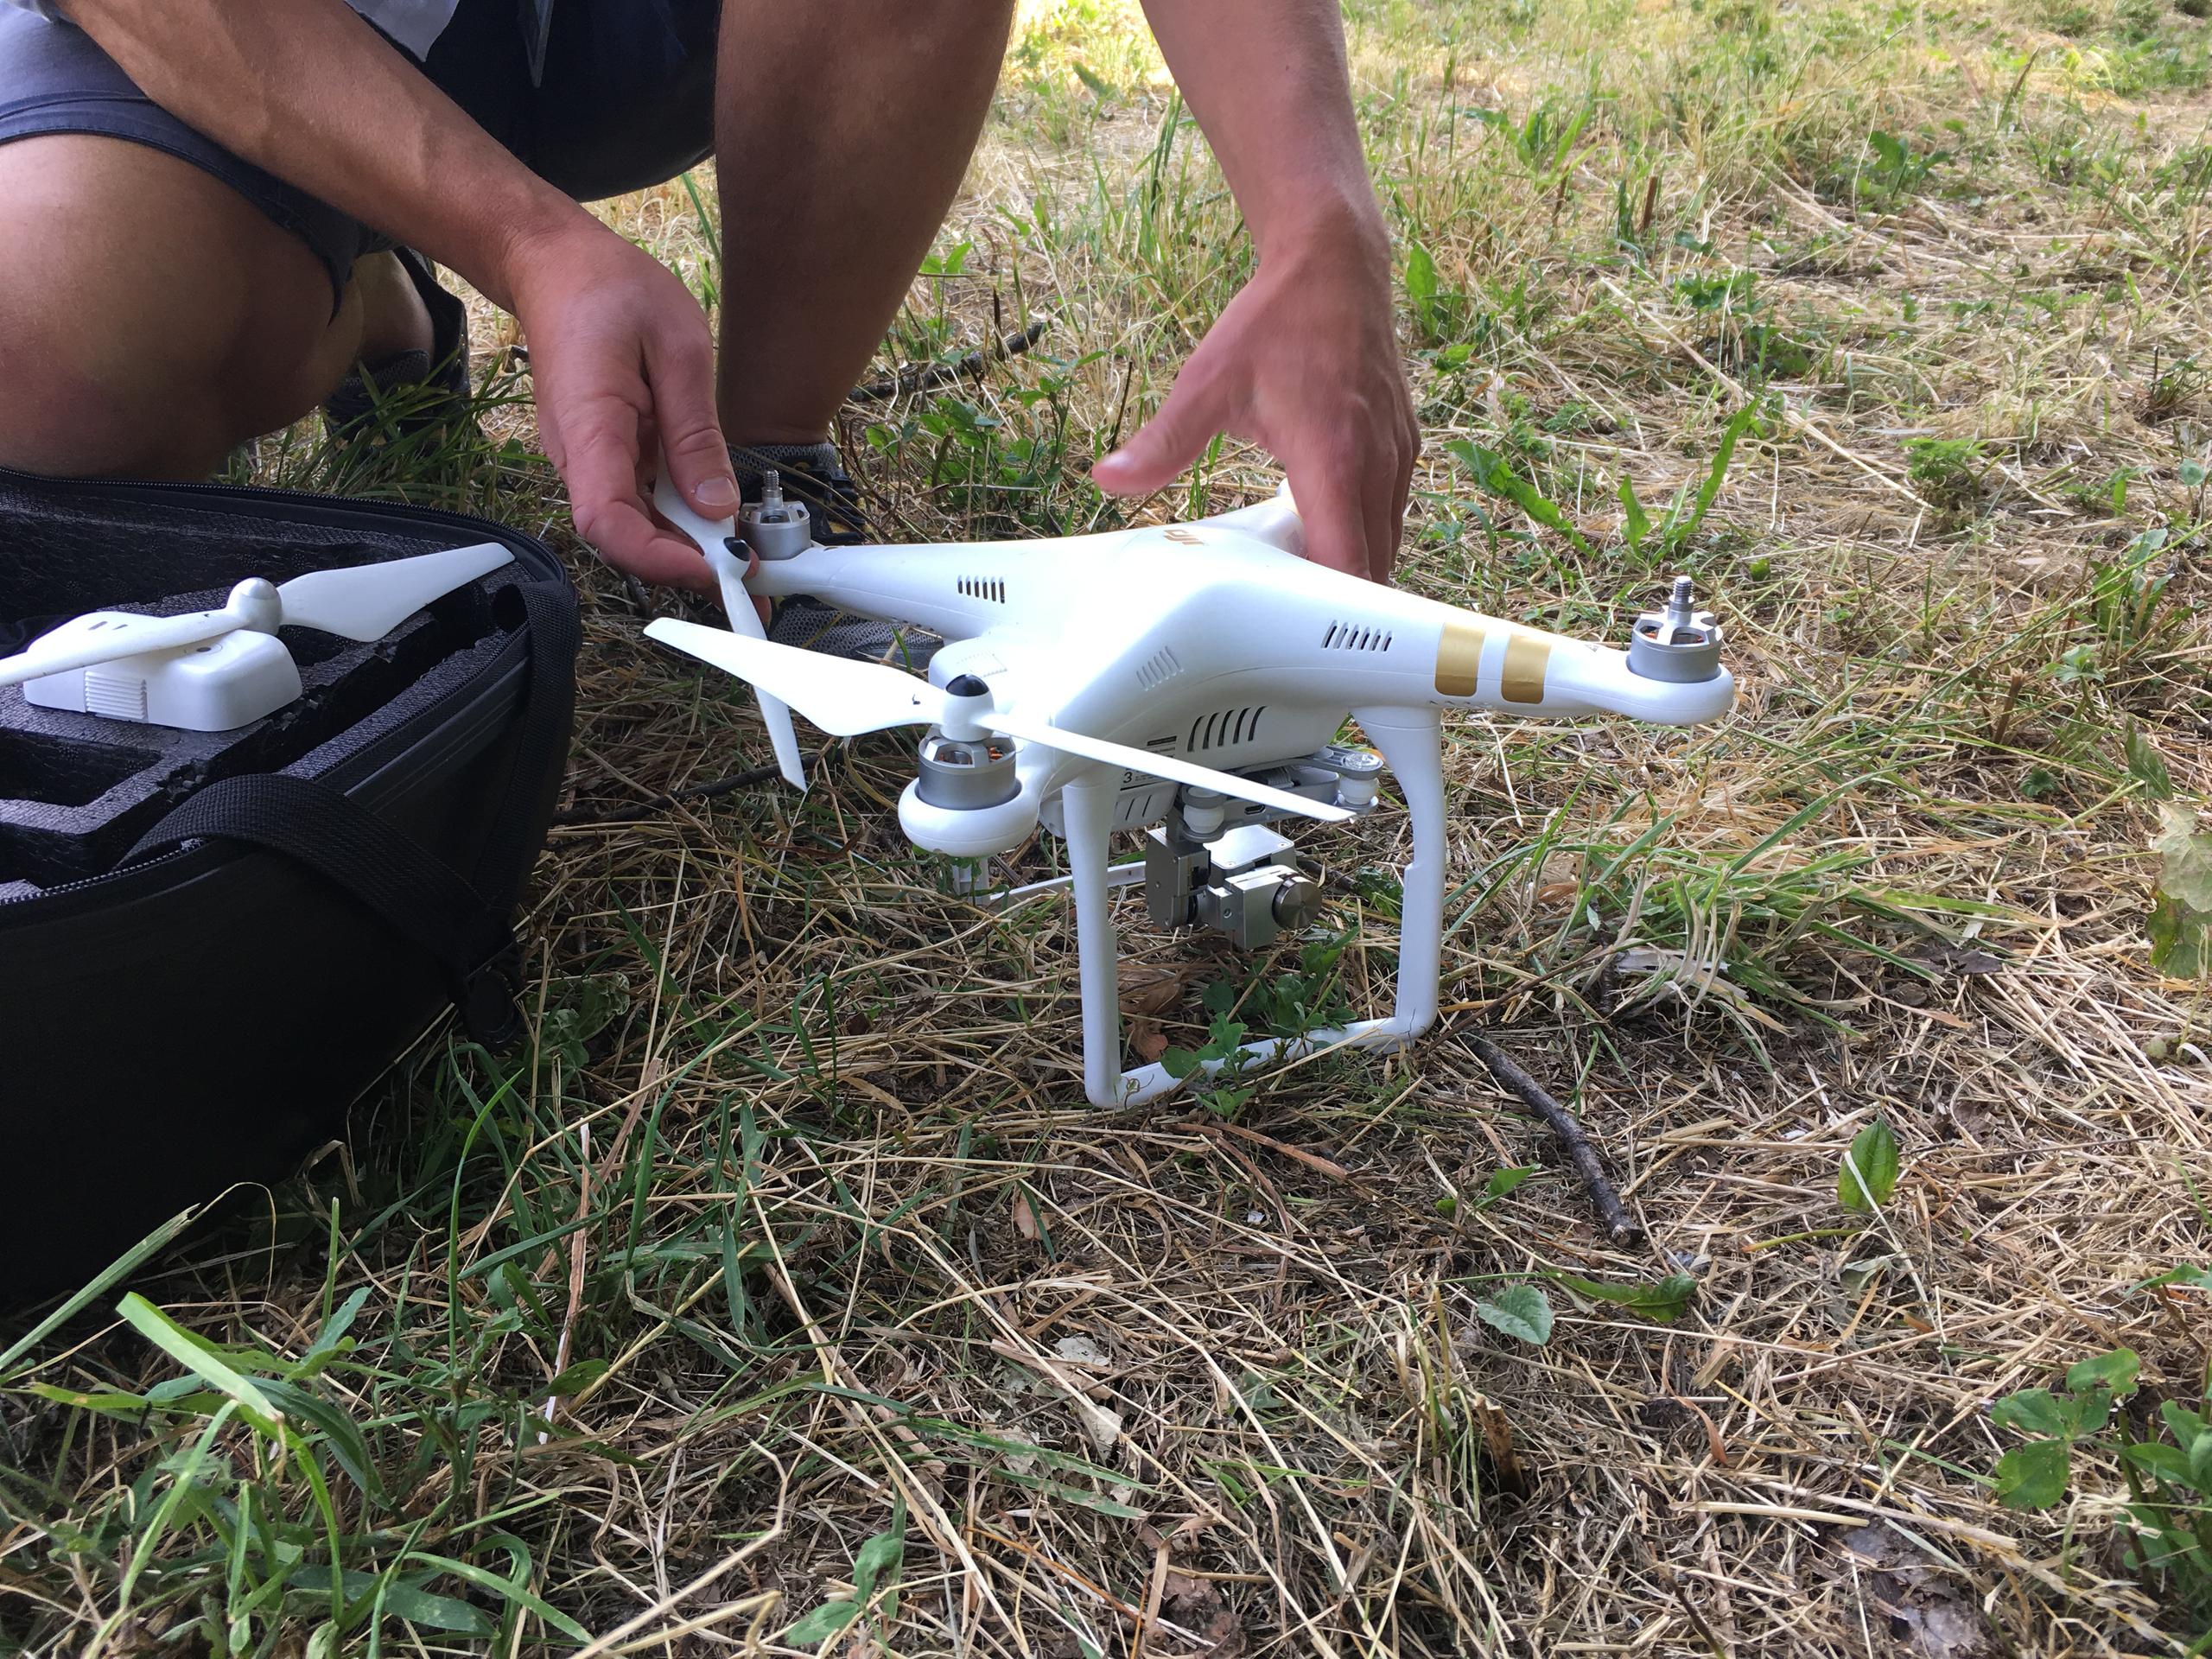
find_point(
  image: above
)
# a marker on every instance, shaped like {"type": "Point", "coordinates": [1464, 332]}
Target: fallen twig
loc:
{"type": "Point", "coordinates": [927, 377]}
{"type": "Point", "coordinates": [1621, 1227]}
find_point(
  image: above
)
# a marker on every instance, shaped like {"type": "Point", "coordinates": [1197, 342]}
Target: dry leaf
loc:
{"type": "Point", "coordinates": [1924, 1612]}
{"type": "Point", "coordinates": [1102, 1423]}
{"type": "Point", "coordinates": [1146, 988]}
{"type": "Point", "coordinates": [1025, 1218]}
{"type": "Point", "coordinates": [1082, 1351]}
{"type": "Point", "coordinates": [1196, 1604]}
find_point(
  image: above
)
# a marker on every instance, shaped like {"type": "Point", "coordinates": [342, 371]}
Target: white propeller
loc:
{"type": "Point", "coordinates": [365, 601]}
{"type": "Point", "coordinates": [847, 698]}
{"type": "Point", "coordinates": [713, 537]}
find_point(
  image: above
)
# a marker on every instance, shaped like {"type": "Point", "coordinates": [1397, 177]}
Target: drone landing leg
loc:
{"type": "Point", "coordinates": [1087, 811]}
{"type": "Point", "coordinates": [1411, 743]}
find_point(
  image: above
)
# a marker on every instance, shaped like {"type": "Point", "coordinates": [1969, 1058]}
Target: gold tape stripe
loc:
{"type": "Point", "coordinates": [1459, 660]}
{"type": "Point", "coordinates": [1526, 658]}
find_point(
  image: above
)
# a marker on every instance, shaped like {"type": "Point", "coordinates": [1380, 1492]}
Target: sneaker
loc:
{"type": "Point", "coordinates": [431, 387]}
{"type": "Point", "coordinates": [812, 473]}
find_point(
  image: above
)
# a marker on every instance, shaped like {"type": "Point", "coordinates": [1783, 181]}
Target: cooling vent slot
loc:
{"type": "Point", "coordinates": [1158, 668]}
{"type": "Point", "coordinates": [1142, 803]}
{"type": "Point", "coordinates": [982, 587]}
{"type": "Point", "coordinates": [1345, 636]}
{"type": "Point", "coordinates": [1225, 729]}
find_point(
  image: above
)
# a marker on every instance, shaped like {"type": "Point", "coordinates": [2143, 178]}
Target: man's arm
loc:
{"type": "Point", "coordinates": [620, 351]}
{"type": "Point", "coordinates": [1304, 361]}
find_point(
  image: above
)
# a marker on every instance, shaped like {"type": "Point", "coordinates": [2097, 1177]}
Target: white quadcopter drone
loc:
{"type": "Point", "coordinates": [1188, 681]}
{"type": "Point", "coordinates": [216, 670]}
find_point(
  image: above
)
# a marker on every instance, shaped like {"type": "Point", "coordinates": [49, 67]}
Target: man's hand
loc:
{"type": "Point", "coordinates": [1305, 363]}
{"type": "Point", "coordinates": [623, 366]}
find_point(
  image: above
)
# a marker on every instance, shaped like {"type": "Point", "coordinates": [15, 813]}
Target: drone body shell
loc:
{"type": "Point", "coordinates": [1215, 642]}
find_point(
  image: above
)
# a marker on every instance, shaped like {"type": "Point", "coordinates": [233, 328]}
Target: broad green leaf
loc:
{"type": "Point", "coordinates": [1520, 1311]}
{"type": "Point", "coordinates": [2168, 1463]}
{"type": "Point", "coordinates": [1421, 285]}
{"type": "Point", "coordinates": [2115, 1370]}
{"type": "Point", "coordinates": [1709, 487]}
{"type": "Point", "coordinates": [825, 1621]}
{"type": "Point", "coordinates": [195, 1356]}
{"type": "Point", "coordinates": [2089, 1413]}
{"type": "Point", "coordinates": [2146, 765]}
{"type": "Point", "coordinates": [132, 1408]}
{"type": "Point", "coordinates": [1178, 1063]}
{"type": "Point", "coordinates": [1493, 472]}
{"type": "Point", "coordinates": [2185, 870]}
{"type": "Point", "coordinates": [881, 1553]}
{"type": "Point", "coordinates": [2032, 1411]}
{"type": "Point", "coordinates": [1068, 1494]}
{"type": "Point", "coordinates": [1868, 1174]}
{"type": "Point", "coordinates": [1636, 522]}
{"type": "Point", "coordinates": [2183, 1278]}
{"type": "Point", "coordinates": [341, 1432]}
{"type": "Point", "coordinates": [1506, 1179]}
{"type": "Point", "coordinates": [2033, 1477]}
{"type": "Point", "coordinates": [402, 1599]}
{"type": "Point", "coordinates": [2181, 938]}
{"type": "Point", "coordinates": [420, 1606]}
{"type": "Point", "coordinates": [515, 1590]}
{"type": "Point", "coordinates": [1662, 1302]}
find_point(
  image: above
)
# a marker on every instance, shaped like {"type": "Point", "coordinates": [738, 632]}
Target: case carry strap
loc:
{"type": "Point", "coordinates": [410, 889]}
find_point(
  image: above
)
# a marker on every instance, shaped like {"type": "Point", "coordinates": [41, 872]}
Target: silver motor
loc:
{"type": "Point", "coordinates": [1680, 642]}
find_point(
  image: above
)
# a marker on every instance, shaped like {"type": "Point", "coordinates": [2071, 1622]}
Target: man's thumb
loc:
{"type": "Point", "coordinates": [1164, 446]}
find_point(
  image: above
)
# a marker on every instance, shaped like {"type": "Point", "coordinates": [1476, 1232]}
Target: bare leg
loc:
{"type": "Point", "coordinates": [151, 318]}
{"type": "Point", "coordinates": [845, 127]}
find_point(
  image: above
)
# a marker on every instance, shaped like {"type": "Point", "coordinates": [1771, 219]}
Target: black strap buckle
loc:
{"type": "Point", "coordinates": [488, 998]}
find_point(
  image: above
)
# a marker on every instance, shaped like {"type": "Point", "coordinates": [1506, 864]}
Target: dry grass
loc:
{"type": "Point", "coordinates": [857, 1260]}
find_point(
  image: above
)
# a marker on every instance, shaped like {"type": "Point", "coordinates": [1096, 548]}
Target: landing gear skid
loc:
{"type": "Point", "coordinates": [1409, 741]}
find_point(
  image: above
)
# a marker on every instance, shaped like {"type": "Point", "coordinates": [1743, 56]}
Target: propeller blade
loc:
{"type": "Point", "coordinates": [713, 538]}
{"type": "Point", "coordinates": [847, 698]}
{"type": "Point", "coordinates": [121, 635]}
{"type": "Point", "coordinates": [844, 697]}
{"type": "Point", "coordinates": [368, 601]}
{"type": "Point", "coordinates": [1160, 766]}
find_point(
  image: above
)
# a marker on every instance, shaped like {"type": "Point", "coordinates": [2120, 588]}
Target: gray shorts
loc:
{"type": "Point", "coordinates": [625, 99]}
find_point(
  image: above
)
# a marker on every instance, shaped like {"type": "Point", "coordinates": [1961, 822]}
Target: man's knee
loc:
{"type": "Point", "coordinates": [149, 318]}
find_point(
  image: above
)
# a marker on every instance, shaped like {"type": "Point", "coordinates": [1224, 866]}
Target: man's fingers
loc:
{"type": "Point", "coordinates": [1332, 502]}
{"type": "Point", "coordinates": [1388, 475]}
{"type": "Point", "coordinates": [622, 535]}
{"type": "Point", "coordinates": [601, 455]}
{"type": "Point", "coordinates": [1170, 441]}
{"type": "Point", "coordinates": [680, 371]}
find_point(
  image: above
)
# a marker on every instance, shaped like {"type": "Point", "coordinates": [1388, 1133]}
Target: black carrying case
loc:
{"type": "Point", "coordinates": [211, 944]}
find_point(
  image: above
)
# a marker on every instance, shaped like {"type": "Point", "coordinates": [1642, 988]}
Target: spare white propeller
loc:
{"type": "Point", "coordinates": [365, 602]}
{"type": "Point", "coordinates": [713, 537]}
{"type": "Point", "coordinates": [847, 698]}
